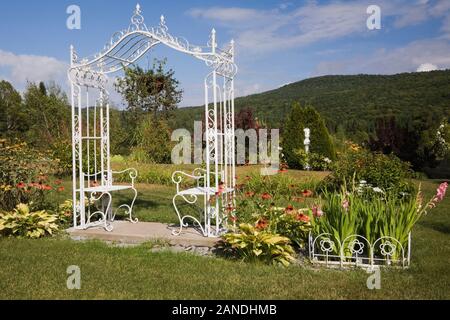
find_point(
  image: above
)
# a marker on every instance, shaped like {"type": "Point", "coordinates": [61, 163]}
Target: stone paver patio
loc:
{"type": "Point", "coordinates": [129, 233]}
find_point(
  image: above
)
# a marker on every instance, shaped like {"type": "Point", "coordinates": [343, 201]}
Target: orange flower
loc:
{"type": "Point", "coordinates": [21, 185]}
{"type": "Point", "coordinates": [266, 196]}
{"type": "Point", "coordinates": [302, 217]}
{"type": "Point", "coordinates": [230, 208]}
{"type": "Point", "coordinates": [60, 189]}
{"type": "Point", "coordinates": [47, 188]}
{"type": "Point", "coordinates": [282, 170]}
{"type": "Point", "coordinates": [289, 209]}
{"type": "Point", "coordinates": [307, 193]}
{"type": "Point", "coordinates": [262, 224]}
{"type": "Point", "coordinates": [249, 194]}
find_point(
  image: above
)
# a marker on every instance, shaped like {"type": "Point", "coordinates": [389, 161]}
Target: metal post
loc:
{"type": "Point", "coordinates": [74, 172]}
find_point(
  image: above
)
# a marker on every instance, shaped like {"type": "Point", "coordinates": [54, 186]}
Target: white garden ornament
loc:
{"type": "Point", "coordinates": [92, 174]}
{"type": "Point", "coordinates": [307, 143]}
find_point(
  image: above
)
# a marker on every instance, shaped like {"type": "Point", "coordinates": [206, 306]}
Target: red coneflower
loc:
{"type": "Point", "coordinates": [21, 185]}
{"type": "Point", "coordinates": [262, 224]}
{"type": "Point", "coordinates": [249, 194]}
{"type": "Point", "coordinates": [302, 217]}
{"type": "Point", "coordinates": [47, 188]}
{"type": "Point", "coordinates": [266, 196]}
{"type": "Point", "coordinates": [289, 209]}
{"type": "Point", "coordinates": [248, 178]}
{"type": "Point", "coordinates": [307, 193]}
{"type": "Point", "coordinates": [60, 189]}
{"type": "Point", "coordinates": [300, 200]}
{"type": "Point", "coordinates": [230, 208]}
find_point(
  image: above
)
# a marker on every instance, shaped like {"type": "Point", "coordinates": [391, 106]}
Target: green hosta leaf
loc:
{"type": "Point", "coordinates": [277, 239]}
{"type": "Point", "coordinates": [257, 252]}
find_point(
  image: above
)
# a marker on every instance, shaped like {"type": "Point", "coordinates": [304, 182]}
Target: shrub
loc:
{"type": "Point", "coordinates": [250, 244]}
{"type": "Point", "coordinates": [24, 223]}
{"type": "Point", "coordinates": [153, 141]}
{"type": "Point", "coordinates": [20, 168]}
{"type": "Point", "coordinates": [293, 135]}
{"type": "Point", "coordinates": [65, 212]}
{"type": "Point", "coordinates": [313, 160]}
{"type": "Point", "coordinates": [61, 152]}
{"type": "Point", "coordinates": [375, 169]}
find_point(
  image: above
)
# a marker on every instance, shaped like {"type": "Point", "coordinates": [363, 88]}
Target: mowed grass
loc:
{"type": "Point", "coordinates": [36, 269]}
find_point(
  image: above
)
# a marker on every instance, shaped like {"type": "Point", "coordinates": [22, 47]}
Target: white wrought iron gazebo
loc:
{"type": "Point", "coordinates": [93, 179]}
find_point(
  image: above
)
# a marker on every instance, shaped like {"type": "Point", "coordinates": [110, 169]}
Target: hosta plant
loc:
{"type": "Point", "coordinates": [251, 244]}
{"type": "Point", "coordinates": [23, 223]}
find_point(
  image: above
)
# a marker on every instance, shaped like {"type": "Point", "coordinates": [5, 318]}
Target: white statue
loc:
{"type": "Point", "coordinates": [307, 142]}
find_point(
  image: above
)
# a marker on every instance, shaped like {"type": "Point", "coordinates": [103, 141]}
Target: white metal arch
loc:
{"type": "Point", "coordinates": [90, 125]}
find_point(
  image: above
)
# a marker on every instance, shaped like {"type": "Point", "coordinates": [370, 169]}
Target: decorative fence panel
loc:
{"type": "Point", "coordinates": [358, 251]}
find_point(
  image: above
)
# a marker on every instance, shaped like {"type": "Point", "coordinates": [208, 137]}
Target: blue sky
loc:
{"type": "Point", "coordinates": [278, 42]}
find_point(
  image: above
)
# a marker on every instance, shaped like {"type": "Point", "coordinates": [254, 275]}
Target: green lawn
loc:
{"type": "Point", "coordinates": [36, 269]}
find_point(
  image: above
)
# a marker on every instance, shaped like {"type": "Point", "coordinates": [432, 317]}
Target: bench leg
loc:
{"type": "Point", "coordinates": [182, 219]}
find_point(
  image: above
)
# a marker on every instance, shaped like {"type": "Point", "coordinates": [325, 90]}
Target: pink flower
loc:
{"type": "Point", "coordinates": [345, 204]}
{"type": "Point", "coordinates": [441, 190]}
{"type": "Point", "coordinates": [317, 212]}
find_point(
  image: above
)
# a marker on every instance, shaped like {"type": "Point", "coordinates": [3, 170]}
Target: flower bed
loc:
{"type": "Point", "coordinates": [360, 229]}
{"type": "Point", "coordinates": [360, 225]}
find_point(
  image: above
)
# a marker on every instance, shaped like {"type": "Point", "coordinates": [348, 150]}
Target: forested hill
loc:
{"type": "Point", "coordinates": [351, 103]}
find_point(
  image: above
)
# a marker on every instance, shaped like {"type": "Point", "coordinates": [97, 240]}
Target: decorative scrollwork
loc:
{"type": "Point", "coordinates": [357, 250]}
{"type": "Point", "coordinates": [356, 247]}
{"type": "Point", "coordinates": [387, 248]}
{"type": "Point", "coordinates": [220, 60]}
{"type": "Point", "coordinates": [88, 77]}
{"type": "Point", "coordinates": [327, 245]}
{"type": "Point", "coordinates": [137, 20]}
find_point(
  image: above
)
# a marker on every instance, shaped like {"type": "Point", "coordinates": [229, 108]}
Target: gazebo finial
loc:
{"type": "Point", "coordinates": [138, 8]}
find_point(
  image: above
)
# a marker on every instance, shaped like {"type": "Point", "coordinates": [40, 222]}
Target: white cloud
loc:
{"type": "Point", "coordinates": [268, 30]}
{"type": "Point", "coordinates": [260, 31]}
{"type": "Point", "coordinates": [426, 67]}
{"type": "Point", "coordinates": [433, 52]}
{"type": "Point", "coordinates": [19, 69]}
